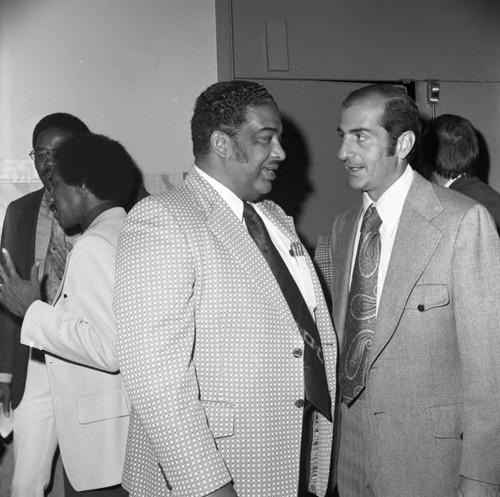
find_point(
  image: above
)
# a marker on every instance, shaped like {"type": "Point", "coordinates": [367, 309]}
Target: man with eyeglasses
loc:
{"type": "Point", "coordinates": [31, 234]}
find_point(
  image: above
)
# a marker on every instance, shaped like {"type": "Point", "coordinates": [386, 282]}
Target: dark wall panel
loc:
{"type": "Point", "coordinates": [312, 182]}
{"type": "Point", "coordinates": [350, 40]}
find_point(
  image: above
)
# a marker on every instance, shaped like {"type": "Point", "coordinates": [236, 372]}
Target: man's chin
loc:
{"type": "Point", "coordinates": [69, 229]}
{"type": "Point", "coordinates": [356, 184]}
{"type": "Point", "coordinates": [72, 230]}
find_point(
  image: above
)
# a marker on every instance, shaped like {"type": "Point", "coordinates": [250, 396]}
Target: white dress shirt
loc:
{"type": "Point", "coordinates": [389, 207]}
{"type": "Point", "coordinates": [296, 265]}
{"type": "Point", "coordinates": [451, 181]}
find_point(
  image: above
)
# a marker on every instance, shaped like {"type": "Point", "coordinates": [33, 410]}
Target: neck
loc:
{"type": "Point", "coordinates": [438, 179]}
{"type": "Point", "coordinates": [96, 211]}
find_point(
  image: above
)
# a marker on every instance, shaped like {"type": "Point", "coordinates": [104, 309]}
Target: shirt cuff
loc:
{"type": "Point", "coordinates": [5, 378]}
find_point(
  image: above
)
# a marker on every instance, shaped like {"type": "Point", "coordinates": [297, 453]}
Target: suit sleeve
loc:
{"type": "Point", "coordinates": [323, 259]}
{"type": "Point", "coordinates": [476, 273]}
{"type": "Point", "coordinates": [155, 297]}
{"type": "Point", "coordinates": [81, 326]}
{"type": "Point", "coordinates": [9, 324]}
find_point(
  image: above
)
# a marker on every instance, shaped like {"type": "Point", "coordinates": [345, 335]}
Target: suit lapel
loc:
{"type": "Point", "coordinates": [235, 240]}
{"type": "Point", "coordinates": [24, 250]}
{"type": "Point", "coordinates": [287, 226]}
{"type": "Point", "coordinates": [284, 223]}
{"type": "Point", "coordinates": [416, 240]}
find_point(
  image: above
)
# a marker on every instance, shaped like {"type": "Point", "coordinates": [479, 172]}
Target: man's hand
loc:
{"type": "Point", "coordinates": [17, 294]}
{"type": "Point", "coordinates": [5, 397]}
{"type": "Point", "coordinates": [474, 488]}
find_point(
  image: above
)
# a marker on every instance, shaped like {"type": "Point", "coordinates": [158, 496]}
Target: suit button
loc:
{"type": "Point", "coordinates": [297, 352]}
{"type": "Point", "coordinates": [421, 307]}
{"type": "Point", "coordinates": [299, 403]}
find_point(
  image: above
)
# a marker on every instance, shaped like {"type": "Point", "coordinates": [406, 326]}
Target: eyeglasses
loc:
{"type": "Point", "coordinates": [42, 154]}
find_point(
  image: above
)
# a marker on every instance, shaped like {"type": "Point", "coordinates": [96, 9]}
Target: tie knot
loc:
{"type": "Point", "coordinates": [371, 220]}
{"type": "Point", "coordinates": [249, 212]}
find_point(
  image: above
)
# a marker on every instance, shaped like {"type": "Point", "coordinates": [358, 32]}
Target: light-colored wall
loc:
{"type": "Point", "coordinates": [130, 69]}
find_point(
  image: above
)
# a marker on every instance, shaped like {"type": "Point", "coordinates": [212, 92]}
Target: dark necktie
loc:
{"type": "Point", "coordinates": [316, 385]}
{"type": "Point", "coordinates": [361, 309]}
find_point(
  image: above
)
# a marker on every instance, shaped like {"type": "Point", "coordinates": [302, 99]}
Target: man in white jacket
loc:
{"type": "Point", "coordinates": [92, 178]}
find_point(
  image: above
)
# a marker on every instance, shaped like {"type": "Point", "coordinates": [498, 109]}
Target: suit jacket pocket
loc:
{"type": "Point", "coordinates": [103, 405]}
{"type": "Point", "coordinates": [444, 421]}
{"type": "Point", "coordinates": [425, 297]}
{"type": "Point", "coordinates": [220, 417]}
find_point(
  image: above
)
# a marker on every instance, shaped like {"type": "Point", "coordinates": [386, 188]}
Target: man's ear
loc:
{"type": "Point", "coordinates": [219, 141]}
{"type": "Point", "coordinates": [405, 143]}
{"type": "Point", "coordinates": [81, 189]}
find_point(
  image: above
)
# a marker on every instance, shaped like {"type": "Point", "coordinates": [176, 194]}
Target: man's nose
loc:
{"type": "Point", "coordinates": [278, 152]}
{"type": "Point", "coordinates": [345, 150]}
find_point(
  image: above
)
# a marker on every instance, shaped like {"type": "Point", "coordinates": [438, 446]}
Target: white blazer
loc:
{"type": "Point", "coordinates": [91, 407]}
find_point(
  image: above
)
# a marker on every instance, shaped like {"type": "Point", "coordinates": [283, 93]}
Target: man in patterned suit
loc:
{"type": "Point", "coordinates": [211, 354]}
{"type": "Point", "coordinates": [415, 275]}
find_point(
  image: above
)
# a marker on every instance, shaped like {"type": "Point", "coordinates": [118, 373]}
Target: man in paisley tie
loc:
{"type": "Point", "coordinates": [414, 273]}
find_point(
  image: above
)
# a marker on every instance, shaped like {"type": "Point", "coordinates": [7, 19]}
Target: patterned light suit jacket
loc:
{"type": "Point", "coordinates": [206, 345]}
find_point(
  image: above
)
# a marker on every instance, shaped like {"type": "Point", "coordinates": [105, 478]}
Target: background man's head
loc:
{"type": "Point", "coordinates": [451, 147]}
{"type": "Point", "coordinates": [89, 170]}
{"type": "Point", "coordinates": [379, 127]}
{"type": "Point", "coordinates": [236, 129]}
{"type": "Point", "coordinates": [48, 135]}
{"type": "Point", "coordinates": [400, 112]}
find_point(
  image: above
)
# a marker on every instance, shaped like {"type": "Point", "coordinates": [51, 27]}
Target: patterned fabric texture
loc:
{"type": "Point", "coordinates": [324, 264]}
{"type": "Point", "coordinates": [55, 261]}
{"type": "Point", "coordinates": [206, 342]}
{"type": "Point", "coordinates": [361, 309]}
{"type": "Point", "coordinates": [316, 384]}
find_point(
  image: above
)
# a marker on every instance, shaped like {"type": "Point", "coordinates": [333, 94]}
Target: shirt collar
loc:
{"type": "Point", "coordinates": [390, 205]}
{"type": "Point", "coordinates": [451, 181]}
{"type": "Point", "coordinates": [233, 201]}
{"type": "Point", "coordinates": [107, 214]}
